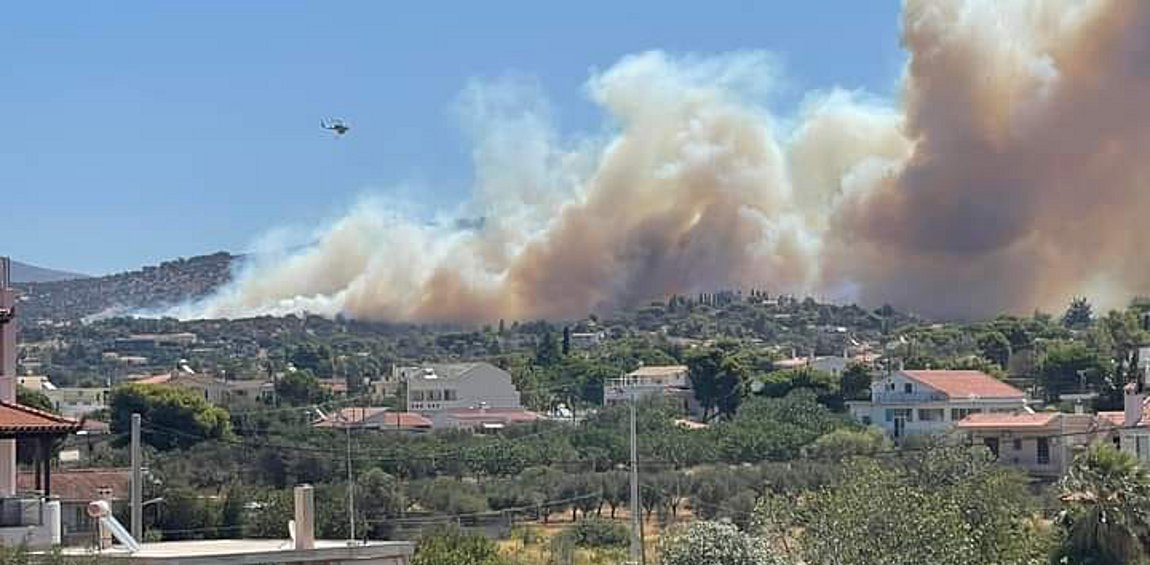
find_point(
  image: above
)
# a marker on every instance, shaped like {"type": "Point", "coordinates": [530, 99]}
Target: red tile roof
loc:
{"type": "Point", "coordinates": [965, 384]}
{"type": "Point", "coordinates": [17, 418]}
{"type": "Point", "coordinates": [374, 416]}
{"type": "Point", "coordinates": [95, 426]}
{"type": "Point", "coordinates": [164, 378]}
{"type": "Point", "coordinates": [1116, 419]}
{"type": "Point", "coordinates": [1021, 420]}
{"type": "Point", "coordinates": [82, 485]}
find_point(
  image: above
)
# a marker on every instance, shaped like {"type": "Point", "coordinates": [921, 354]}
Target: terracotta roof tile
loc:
{"type": "Point", "coordinates": [82, 485]}
{"type": "Point", "coordinates": [374, 416]}
{"type": "Point", "coordinates": [154, 380]}
{"type": "Point", "coordinates": [1021, 420]}
{"type": "Point", "coordinates": [17, 418]}
{"type": "Point", "coordinates": [965, 384]}
{"type": "Point", "coordinates": [1116, 419]}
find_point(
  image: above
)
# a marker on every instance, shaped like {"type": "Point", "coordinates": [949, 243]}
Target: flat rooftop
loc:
{"type": "Point", "coordinates": [254, 552]}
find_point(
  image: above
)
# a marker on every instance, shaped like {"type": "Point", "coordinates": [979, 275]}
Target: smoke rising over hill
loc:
{"type": "Point", "coordinates": [1011, 174]}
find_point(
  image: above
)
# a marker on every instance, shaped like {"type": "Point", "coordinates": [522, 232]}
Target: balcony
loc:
{"type": "Point", "coordinates": [897, 397]}
{"type": "Point", "coordinates": [30, 521]}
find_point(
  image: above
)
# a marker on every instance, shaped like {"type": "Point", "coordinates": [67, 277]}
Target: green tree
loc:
{"type": "Point", "coordinates": [232, 514]}
{"type": "Point", "coordinates": [616, 489]}
{"type": "Point", "coordinates": [173, 417]}
{"type": "Point", "coordinates": [713, 543]}
{"type": "Point", "coordinates": [825, 385]}
{"type": "Point", "coordinates": [947, 507]}
{"type": "Point", "coordinates": [844, 443]}
{"type": "Point", "coordinates": [300, 388]}
{"type": "Point", "coordinates": [547, 352]}
{"type": "Point", "coordinates": [995, 347]}
{"type": "Point", "coordinates": [597, 532]}
{"type": "Point", "coordinates": [1079, 315]}
{"type": "Point", "coordinates": [717, 377]}
{"type": "Point", "coordinates": [382, 494]}
{"type": "Point", "coordinates": [856, 381]}
{"type": "Point", "coordinates": [34, 399]}
{"type": "Point", "coordinates": [453, 547]}
{"type": "Point", "coordinates": [1068, 365]}
{"type": "Point", "coordinates": [1107, 515]}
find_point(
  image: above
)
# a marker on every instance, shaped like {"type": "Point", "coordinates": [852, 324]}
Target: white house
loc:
{"type": "Point", "coordinates": [906, 403]}
{"type": "Point", "coordinates": [439, 387]}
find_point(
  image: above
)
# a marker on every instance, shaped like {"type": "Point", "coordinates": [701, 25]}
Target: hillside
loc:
{"type": "Point", "coordinates": [170, 282]}
{"type": "Point", "coordinates": [25, 273]}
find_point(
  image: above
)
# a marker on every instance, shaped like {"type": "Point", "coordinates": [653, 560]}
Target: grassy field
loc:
{"type": "Point", "coordinates": [541, 544]}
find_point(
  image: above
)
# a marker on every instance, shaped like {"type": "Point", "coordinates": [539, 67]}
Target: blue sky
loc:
{"type": "Point", "coordinates": [135, 132]}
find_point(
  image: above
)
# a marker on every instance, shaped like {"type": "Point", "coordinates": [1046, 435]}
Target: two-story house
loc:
{"type": "Point", "coordinates": [441, 387]}
{"type": "Point", "coordinates": [907, 403]}
{"type": "Point", "coordinates": [1133, 423]}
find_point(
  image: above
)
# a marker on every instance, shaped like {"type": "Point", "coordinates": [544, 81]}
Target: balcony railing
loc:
{"type": "Point", "coordinates": [896, 397]}
{"type": "Point", "coordinates": [21, 511]}
{"type": "Point", "coordinates": [645, 382]}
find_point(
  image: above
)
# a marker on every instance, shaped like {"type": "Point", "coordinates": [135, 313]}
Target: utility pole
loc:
{"type": "Point", "coordinates": [636, 509]}
{"type": "Point", "coordinates": [137, 482]}
{"type": "Point", "coordinates": [350, 489]}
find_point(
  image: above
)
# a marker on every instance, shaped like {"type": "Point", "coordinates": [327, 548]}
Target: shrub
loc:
{"type": "Point", "coordinates": [597, 532]}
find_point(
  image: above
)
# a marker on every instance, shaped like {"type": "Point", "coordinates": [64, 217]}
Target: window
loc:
{"type": "Point", "coordinates": [1043, 451]}
{"type": "Point", "coordinates": [904, 414]}
{"type": "Point", "coordinates": [931, 414]}
{"type": "Point", "coordinates": [417, 396]}
{"type": "Point", "coordinates": [450, 395]}
{"type": "Point", "coordinates": [957, 414]}
{"type": "Point", "coordinates": [435, 395]}
{"type": "Point", "coordinates": [1018, 445]}
{"type": "Point", "coordinates": [991, 443]}
{"type": "Point", "coordinates": [908, 388]}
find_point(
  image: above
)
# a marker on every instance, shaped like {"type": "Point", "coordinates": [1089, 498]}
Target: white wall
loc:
{"type": "Point", "coordinates": [484, 384]}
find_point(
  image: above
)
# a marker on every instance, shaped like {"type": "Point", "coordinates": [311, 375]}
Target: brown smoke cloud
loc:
{"type": "Point", "coordinates": [1027, 181]}
{"type": "Point", "coordinates": [1009, 176]}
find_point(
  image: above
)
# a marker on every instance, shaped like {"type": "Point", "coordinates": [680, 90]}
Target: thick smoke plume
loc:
{"type": "Point", "coordinates": [1011, 174]}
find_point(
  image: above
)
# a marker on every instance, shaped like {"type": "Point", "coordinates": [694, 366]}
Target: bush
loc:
{"type": "Point", "coordinates": [713, 543]}
{"type": "Point", "coordinates": [597, 532]}
{"type": "Point", "coordinates": [448, 546]}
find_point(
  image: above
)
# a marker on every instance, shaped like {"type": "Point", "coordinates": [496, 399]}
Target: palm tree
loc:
{"type": "Point", "coordinates": [1106, 495]}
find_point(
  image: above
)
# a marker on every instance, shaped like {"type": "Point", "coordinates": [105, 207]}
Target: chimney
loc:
{"type": "Point", "coordinates": [304, 517]}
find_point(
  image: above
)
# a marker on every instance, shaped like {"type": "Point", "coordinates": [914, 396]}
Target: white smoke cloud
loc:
{"type": "Point", "coordinates": [1019, 128]}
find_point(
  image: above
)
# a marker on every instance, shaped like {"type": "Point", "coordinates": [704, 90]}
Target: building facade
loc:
{"type": "Point", "coordinates": [440, 387]}
{"type": "Point", "coordinates": [908, 403]}
{"type": "Point", "coordinates": [1042, 444]}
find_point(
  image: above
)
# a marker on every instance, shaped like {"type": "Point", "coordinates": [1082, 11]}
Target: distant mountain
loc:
{"type": "Point", "coordinates": [25, 273]}
{"type": "Point", "coordinates": [166, 284]}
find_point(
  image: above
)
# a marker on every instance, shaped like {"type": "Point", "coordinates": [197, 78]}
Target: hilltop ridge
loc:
{"type": "Point", "coordinates": [170, 282]}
